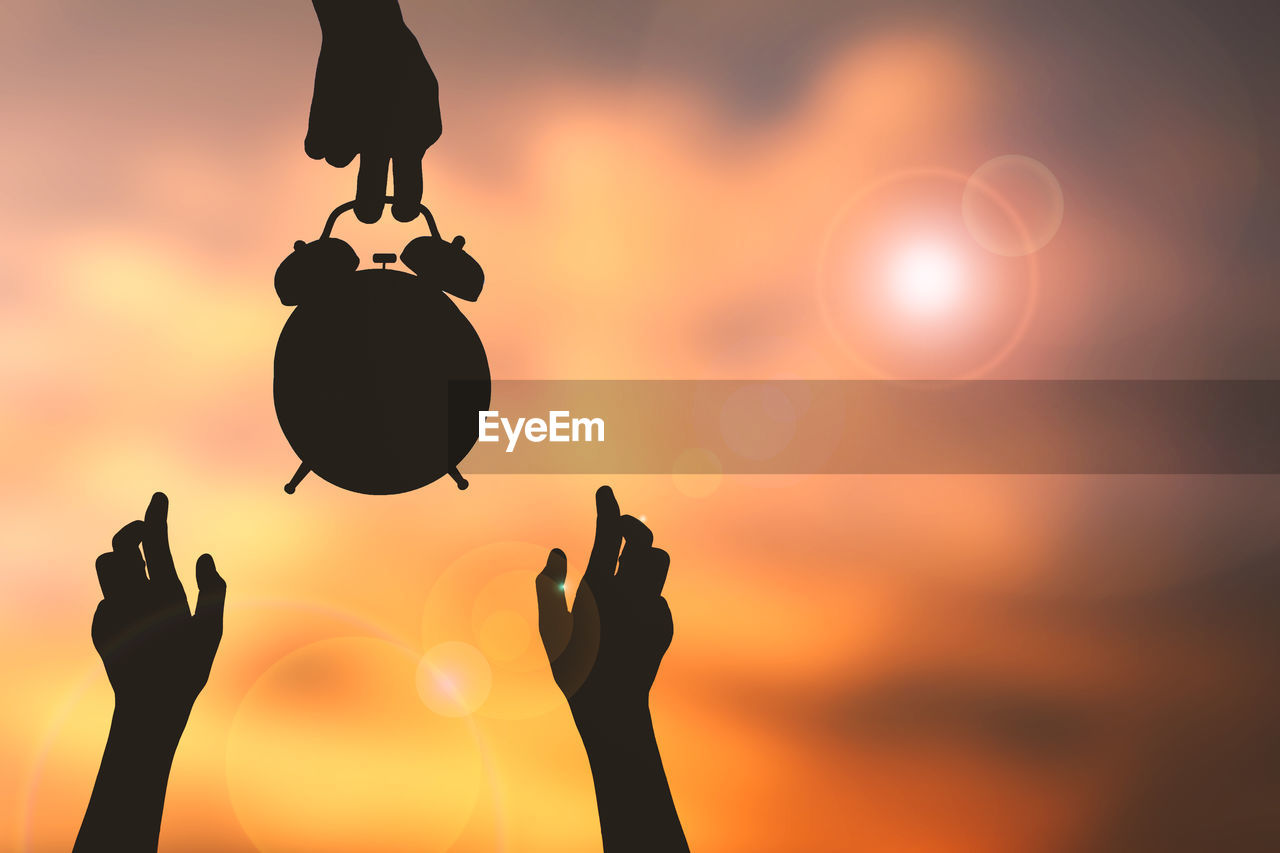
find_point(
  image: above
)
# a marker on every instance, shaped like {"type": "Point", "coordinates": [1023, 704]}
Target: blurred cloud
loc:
{"type": "Point", "coordinates": [859, 663]}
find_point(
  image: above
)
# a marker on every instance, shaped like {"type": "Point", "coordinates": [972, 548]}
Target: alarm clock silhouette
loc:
{"type": "Point", "coordinates": [379, 377]}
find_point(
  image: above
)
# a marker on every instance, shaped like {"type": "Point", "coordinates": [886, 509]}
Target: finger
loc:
{"type": "Point", "coordinates": [553, 612]}
{"type": "Point", "coordinates": [126, 544]}
{"type": "Point", "coordinates": [320, 120]}
{"type": "Point", "coordinates": [371, 186]}
{"type": "Point", "coordinates": [550, 584]}
{"type": "Point", "coordinates": [652, 574]}
{"type": "Point", "coordinates": [636, 533]}
{"type": "Point", "coordinates": [210, 602]}
{"type": "Point", "coordinates": [316, 143]}
{"type": "Point", "coordinates": [344, 140]}
{"type": "Point", "coordinates": [604, 552]}
{"type": "Point", "coordinates": [340, 157]}
{"type": "Point", "coordinates": [406, 175]}
{"type": "Point", "coordinates": [155, 542]}
{"type": "Point", "coordinates": [111, 577]}
{"type": "Point", "coordinates": [129, 536]}
{"type": "Point", "coordinates": [637, 539]}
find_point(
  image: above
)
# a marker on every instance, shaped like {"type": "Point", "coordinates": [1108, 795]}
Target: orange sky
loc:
{"type": "Point", "coordinates": [860, 663]}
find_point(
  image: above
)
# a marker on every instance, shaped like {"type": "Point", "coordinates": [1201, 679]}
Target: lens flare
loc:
{"type": "Point", "coordinates": [454, 679]}
{"type": "Point", "coordinates": [1012, 205]}
{"type": "Point", "coordinates": [926, 280]}
{"type": "Point", "coordinates": [482, 606]}
{"type": "Point", "coordinates": [906, 290]}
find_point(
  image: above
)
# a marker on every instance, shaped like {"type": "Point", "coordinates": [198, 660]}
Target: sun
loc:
{"type": "Point", "coordinates": [926, 280]}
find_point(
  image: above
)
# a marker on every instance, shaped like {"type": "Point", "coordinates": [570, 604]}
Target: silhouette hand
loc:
{"type": "Point", "coordinates": [157, 655]}
{"type": "Point", "coordinates": [605, 652]}
{"type": "Point", "coordinates": [156, 652]}
{"type": "Point", "coordinates": [375, 96]}
{"type": "Point", "coordinates": [604, 655]}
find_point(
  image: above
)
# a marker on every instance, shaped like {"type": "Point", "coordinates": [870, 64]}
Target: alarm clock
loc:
{"type": "Point", "coordinates": [379, 377]}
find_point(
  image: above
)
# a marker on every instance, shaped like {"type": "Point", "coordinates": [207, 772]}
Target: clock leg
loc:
{"type": "Point", "coordinates": [292, 485]}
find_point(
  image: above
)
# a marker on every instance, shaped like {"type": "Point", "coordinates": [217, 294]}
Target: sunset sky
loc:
{"type": "Point", "coordinates": [710, 189]}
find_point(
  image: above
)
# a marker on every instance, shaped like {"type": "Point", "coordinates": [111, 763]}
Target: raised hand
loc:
{"type": "Point", "coordinates": [377, 97]}
{"type": "Point", "coordinates": [604, 655]}
{"type": "Point", "coordinates": [157, 654]}
{"type": "Point", "coordinates": [605, 652]}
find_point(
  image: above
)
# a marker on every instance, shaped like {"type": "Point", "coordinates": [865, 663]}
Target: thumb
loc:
{"type": "Point", "coordinates": [554, 621]}
{"type": "Point", "coordinates": [210, 602]}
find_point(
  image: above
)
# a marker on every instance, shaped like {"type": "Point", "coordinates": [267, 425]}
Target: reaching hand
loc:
{"type": "Point", "coordinates": [605, 652]}
{"type": "Point", "coordinates": [604, 655]}
{"type": "Point", "coordinates": [376, 97]}
{"type": "Point", "coordinates": [156, 652]}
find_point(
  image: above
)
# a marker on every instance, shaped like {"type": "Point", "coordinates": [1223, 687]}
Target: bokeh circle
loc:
{"type": "Point", "coordinates": [1017, 183]}
{"type": "Point", "coordinates": [485, 600]}
{"type": "Point", "coordinates": [454, 679]}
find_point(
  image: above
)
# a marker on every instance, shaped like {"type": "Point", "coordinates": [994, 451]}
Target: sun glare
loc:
{"type": "Point", "coordinates": [926, 280]}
